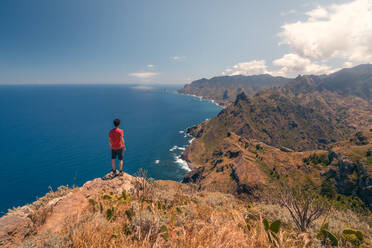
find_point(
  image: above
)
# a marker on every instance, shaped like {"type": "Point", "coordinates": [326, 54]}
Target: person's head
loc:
{"type": "Point", "coordinates": [116, 122]}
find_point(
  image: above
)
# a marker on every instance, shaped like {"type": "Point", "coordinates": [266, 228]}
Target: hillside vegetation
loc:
{"type": "Point", "coordinates": [140, 212]}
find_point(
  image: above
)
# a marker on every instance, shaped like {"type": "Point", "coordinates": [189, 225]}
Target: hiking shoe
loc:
{"type": "Point", "coordinates": [110, 175]}
{"type": "Point", "coordinates": [121, 173]}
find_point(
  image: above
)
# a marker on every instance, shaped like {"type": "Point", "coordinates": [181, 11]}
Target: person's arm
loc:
{"type": "Point", "coordinates": [110, 142]}
{"type": "Point", "coordinates": [122, 142]}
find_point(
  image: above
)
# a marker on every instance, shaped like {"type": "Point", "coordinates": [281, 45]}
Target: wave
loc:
{"type": "Point", "coordinates": [177, 148]}
{"type": "Point", "coordinates": [201, 98]}
{"type": "Point", "coordinates": [157, 161]}
{"type": "Point", "coordinates": [183, 164]}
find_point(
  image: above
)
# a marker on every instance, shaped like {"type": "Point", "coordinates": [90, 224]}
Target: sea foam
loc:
{"type": "Point", "coordinates": [183, 164]}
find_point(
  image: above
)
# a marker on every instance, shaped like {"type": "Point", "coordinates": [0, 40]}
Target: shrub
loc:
{"type": "Point", "coordinates": [272, 230]}
{"type": "Point", "coordinates": [303, 204]}
{"type": "Point", "coordinates": [326, 236]}
{"type": "Point", "coordinates": [143, 186]}
{"type": "Point", "coordinates": [110, 213]}
{"type": "Point", "coordinates": [352, 236]}
{"type": "Point", "coordinates": [328, 189]}
{"type": "Point", "coordinates": [317, 159]}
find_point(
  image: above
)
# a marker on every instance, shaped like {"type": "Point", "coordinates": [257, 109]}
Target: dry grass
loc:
{"type": "Point", "coordinates": [176, 215]}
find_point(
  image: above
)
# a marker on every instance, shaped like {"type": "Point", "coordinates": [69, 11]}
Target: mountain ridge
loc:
{"type": "Point", "coordinates": [304, 116]}
{"type": "Point", "coordinates": [224, 89]}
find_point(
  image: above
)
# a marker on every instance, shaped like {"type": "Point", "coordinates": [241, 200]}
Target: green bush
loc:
{"type": "Point", "coordinates": [354, 203]}
{"type": "Point", "coordinates": [327, 237]}
{"type": "Point", "coordinates": [272, 230]}
{"type": "Point", "coordinates": [317, 159]}
{"type": "Point", "coordinates": [110, 214]}
{"type": "Point", "coordinates": [352, 236]}
{"type": "Point", "coordinates": [164, 232]}
{"type": "Point", "coordinates": [328, 189]}
{"type": "Point", "coordinates": [127, 229]}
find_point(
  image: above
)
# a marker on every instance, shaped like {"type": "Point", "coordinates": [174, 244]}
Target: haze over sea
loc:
{"type": "Point", "coordinates": [54, 135]}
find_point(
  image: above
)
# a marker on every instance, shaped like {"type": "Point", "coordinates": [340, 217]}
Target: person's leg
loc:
{"type": "Point", "coordinates": [121, 156]}
{"type": "Point", "coordinates": [113, 164]}
{"type": "Point", "coordinates": [113, 157]}
{"type": "Point", "coordinates": [121, 165]}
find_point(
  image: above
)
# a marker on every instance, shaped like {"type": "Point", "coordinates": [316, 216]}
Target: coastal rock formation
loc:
{"type": "Point", "coordinates": [53, 210]}
{"type": "Point", "coordinates": [224, 89]}
{"type": "Point", "coordinates": [308, 115]}
{"type": "Point", "coordinates": [138, 212]}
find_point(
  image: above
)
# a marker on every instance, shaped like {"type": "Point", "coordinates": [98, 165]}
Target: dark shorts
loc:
{"type": "Point", "coordinates": [117, 153]}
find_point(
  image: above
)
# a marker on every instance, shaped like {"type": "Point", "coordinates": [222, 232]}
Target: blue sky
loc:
{"type": "Point", "coordinates": [168, 41]}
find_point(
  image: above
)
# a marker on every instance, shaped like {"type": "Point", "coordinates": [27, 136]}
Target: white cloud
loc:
{"type": "Point", "coordinates": [317, 13]}
{"type": "Point", "coordinates": [289, 65]}
{"type": "Point", "coordinates": [150, 66]}
{"type": "Point", "coordinates": [289, 12]}
{"type": "Point", "coordinates": [178, 58]}
{"type": "Point", "coordinates": [143, 75]}
{"type": "Point", "coordinates": [247, 68]}
{"type": "Point", "coordinates": [292, 64]}
{"type": "Point", "coordinates": [338, 31]}
{"type": "Point", "coordinates": [342, 31]}
{"type": "Point", "coordinates": [347, 64]}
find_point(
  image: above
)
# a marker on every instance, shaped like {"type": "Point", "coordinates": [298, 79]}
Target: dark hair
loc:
{"type": "Point", "coordinates": [117, 122]}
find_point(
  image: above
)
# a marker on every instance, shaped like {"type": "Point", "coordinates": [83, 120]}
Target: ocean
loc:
{"type": "Point", "coordinates": [53, 135]}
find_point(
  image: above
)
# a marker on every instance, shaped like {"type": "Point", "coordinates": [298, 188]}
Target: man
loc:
{"type": "Point", "coordinates": [117, 146]}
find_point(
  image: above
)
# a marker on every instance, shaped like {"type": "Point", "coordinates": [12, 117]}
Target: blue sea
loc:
{"type": "Point", "coordinates": [52, 135]}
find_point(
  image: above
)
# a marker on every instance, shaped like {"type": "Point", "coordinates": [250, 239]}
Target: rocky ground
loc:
{"type": "Point", "coordinates": [129, 211]}
{"type": "Point", "coordinates": [50, 212]}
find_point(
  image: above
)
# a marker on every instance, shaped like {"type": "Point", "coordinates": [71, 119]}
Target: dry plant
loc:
{"type": "Point", "coordinates": [143, 185]}
{"type": "Point", "coordinates": [176, 216]}
{"type": "Point", "coordinates": [304, 205]}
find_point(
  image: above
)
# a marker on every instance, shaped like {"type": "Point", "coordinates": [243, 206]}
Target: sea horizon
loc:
{"type": "Point", "coordinates": [55, 147]}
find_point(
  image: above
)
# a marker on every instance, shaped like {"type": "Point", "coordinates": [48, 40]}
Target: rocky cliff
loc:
{"type": "Point", "coordinates": [136, 212]}
{"type": "Point", "coordinates": [308, 115]}
{"type": "Point", "coordinates": [224, 89]}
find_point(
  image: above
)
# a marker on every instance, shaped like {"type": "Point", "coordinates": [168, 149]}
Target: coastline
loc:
{"type": "Point", "coordinates": [179, 159]}
{"type": "Point", "coordinates": [201, 98]}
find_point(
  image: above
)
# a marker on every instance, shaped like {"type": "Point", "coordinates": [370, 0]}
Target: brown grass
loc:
{"type": "Point", "coordinates": [176, 215]}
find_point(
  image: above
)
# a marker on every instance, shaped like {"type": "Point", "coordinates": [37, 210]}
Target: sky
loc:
{"type": "Point", "coordinates": [175, 42]}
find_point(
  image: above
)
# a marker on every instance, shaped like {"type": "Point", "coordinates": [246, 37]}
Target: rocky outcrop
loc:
{"type": "Point", "coordinates": [51, 211]}
{"type": "Point", "coordinates": [224, 89]}
{"type": "Point", "coordinates": [352, 178]}
{"type": "Point", "coordinates": [246, 166]}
